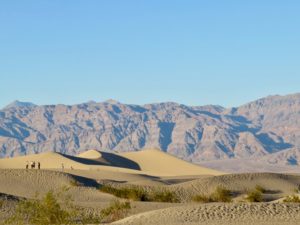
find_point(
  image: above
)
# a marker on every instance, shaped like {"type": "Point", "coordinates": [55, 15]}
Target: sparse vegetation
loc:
{"type": "Point", "coordinates": [138, 194]}
{"type": "Point", "coordinates": [44, 211]}
{"type": "Point", "coordinates": [219, 195]}
{"type": "Point", "coordinates": [50, 210]}
{"type": "Point", "coordinates": [254, 196]}
{"type": "Point", "coordinates": [202, 198]}
{"type": "Point", "coordinates": [133, 193]}
{"type": "Point", "coordinates": [292, 199]}
{"type": "Point", "coordinates": [164, 196]}
{"type": "Point", "coordinates": [116, 211]}
{"type": "Point", "coordinates": [260, 189]}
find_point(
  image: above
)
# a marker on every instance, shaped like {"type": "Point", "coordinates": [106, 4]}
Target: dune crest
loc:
{"type": "Point", "coordinates": [90, 154]}
{"type": "Point", "coordinates": [156, 162]}
{"type": "Point", "coordinates": [150, 162]}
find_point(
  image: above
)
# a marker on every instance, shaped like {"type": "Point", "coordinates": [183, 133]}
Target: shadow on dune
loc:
{"type": "Point", "coordinates": [119, 161]}
{"type": "Point", "coordinates": [86, 182]}
{"type": "Point", "coordinates": [107, 159]}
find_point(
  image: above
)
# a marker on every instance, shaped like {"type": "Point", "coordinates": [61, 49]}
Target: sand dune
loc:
{"type": "Point", "coordinates": [152, 170]}
{"type": "Point", "coordinates": [277, 185]}
{"type": "Point", "coordinates": [29, 183]}
{"type": "Point", "coordinates": [90, 154]}
{"type": "Point", "coordinates": [213, 214]}
{"type": "Point", "coordinates": [150, 162]}
{"type": "Point", "coordinates": [156, 162]}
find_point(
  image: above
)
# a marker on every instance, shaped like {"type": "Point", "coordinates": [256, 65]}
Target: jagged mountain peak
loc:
{"type": "Point", "coordinates": [18, 103]}
{"type": "Point", "coordinates": [196, 133]}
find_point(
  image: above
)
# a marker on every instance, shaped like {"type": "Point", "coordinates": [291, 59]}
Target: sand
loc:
{"type": "Point", "coordinates": [150, 170]}
{"type": "Point", "coordinates": [158, 163]}
{"type": "Point", "coordinates": [212, 214]}
{"type": "Point", "coordinates": [148, 162]}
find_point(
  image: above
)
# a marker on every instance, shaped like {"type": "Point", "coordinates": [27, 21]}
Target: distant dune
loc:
{"type": "Point", "coordinates": [150, 162]}
{"type": "Point", "coordinates": [151, 171]}
{"type": "Point", "coordinates": [159, 163]}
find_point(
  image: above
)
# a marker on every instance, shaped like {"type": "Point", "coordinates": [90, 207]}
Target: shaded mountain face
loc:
{"type": "Point", "coordinates": [265, 129]}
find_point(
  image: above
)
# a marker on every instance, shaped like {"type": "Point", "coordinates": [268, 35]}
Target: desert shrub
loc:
{"type": "Point", "coordinates": [45, 211]}
{"type": "Point", "coordinates": [292, 199]}
{"type": "Point", "coordinates": [202, 198]}
{"type": "Point", "coordinates": [219, 195]}
{"type": "Point", "coordinates": [116, 211]}
{"type": "Point", "coordinates": [163, 196]}
{"type": "Point", "coordinates": [138, 194]}
{"type": "Point", "coordinates": [132, 193]}
{"type": "Point", "coordinates": [53, 208]}
{"type": "Point", "coordinates": [260, 189]}
{"type": "Point", "coordinates": [254, 196]}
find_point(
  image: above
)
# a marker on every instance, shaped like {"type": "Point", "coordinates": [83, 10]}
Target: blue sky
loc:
{"type": "Point", "coordinates": [192, 52]}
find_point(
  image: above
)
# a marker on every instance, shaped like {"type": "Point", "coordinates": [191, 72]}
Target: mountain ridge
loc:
{"type": "Point", "coordinates": [255, 130]}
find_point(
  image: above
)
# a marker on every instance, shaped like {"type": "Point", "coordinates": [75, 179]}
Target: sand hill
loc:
{"type": "Point", "coordinates": [150, 162]}
{"type": "Point", "coordinates": [156, 162]}
{"type": "Point", "coordinates": [151, 171]}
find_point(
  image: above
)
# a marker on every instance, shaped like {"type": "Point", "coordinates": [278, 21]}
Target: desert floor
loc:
{"type": "Point", "coordinates": [80, 178]}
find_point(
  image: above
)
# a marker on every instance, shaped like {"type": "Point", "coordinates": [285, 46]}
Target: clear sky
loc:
{"type": "Point", "coordinates": [143, 51]}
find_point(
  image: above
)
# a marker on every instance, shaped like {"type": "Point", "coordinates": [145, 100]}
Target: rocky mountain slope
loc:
{"type": "Point", "coordinates": [267, 129]}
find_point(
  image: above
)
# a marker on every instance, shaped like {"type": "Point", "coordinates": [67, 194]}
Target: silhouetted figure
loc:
{"type": "Point", "coordinates": [27, 165]}
{"type": "Point", "coordinates": [32, 165]}
{"type": "Point", "coordinates": [39, 165]}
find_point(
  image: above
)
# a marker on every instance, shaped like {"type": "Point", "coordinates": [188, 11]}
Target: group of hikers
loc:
{"type": "Point", "coordinates": [33, 164]}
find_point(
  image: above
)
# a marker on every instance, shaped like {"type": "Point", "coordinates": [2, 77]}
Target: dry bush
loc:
{"type": "Point", "coordinates": [163, 196]}
{"type": "Point", "coordinates": [116, 211]}
{"type": "Point", "coordinates": [45, 211]}
{"type": "Point", "coordinates": [260, 189]}
{"type": "Point", "coordinates": [292, 199]}
{"type": "Point", "coordinates": [202, 198]}
{"type": "Point", "coordinates": [138, 194]}
{"type": "Point", "coordinates": [219, 195]}
{"type": "Point", "coordinates": [254, 196]}
{"type": "Point", "coordinates": [56, 209]}
{"type": "Point", "coordinates": [132, 193]}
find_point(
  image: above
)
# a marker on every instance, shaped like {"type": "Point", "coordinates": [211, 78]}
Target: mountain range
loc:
{"type": "Point", "coordinates": [267, 129]}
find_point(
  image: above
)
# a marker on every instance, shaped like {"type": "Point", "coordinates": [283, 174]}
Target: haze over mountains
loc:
{"type": "Point", "coordinates": [267, 129]}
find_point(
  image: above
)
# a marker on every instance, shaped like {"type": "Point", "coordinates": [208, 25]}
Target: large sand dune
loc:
{"type": "Point", "coordinates": [159, 163]}
{"type": "Point", "coordinates": [150, 162]}
{"type": "Point", "coordinates": [151, 170]}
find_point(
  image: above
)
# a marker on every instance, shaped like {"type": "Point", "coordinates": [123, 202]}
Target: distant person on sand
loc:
{"type": "Point", "coordinates": [62, 167]}
{"type": "Point", "coordinates": [39, 165]}
{"type": "Point", "coordinates": [27, 165]}
{"type": "Point", "coordinates": [31, 164]}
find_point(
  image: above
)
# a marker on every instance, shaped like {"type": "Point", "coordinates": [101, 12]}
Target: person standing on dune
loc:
{"type": "Point", "coordinates": [39, 165]}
